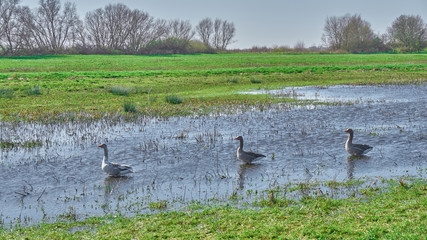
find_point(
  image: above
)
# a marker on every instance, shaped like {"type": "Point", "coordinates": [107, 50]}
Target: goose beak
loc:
{"type": "Point", "coordinates": [346, 131]}
{"type": "Point", "coordinates": [99, 145]}
{"type": "Point", "coordinates": [236, 138]}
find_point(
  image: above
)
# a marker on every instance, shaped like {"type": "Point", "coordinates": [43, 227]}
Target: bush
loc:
{"type": "Point", "coordinates": [233, 80]}
{"type": "Point", "coordinates": [174, 99]}
{"type": "Point", "coordinates": [129, 107]}
{"type": "Point", "coordinates": [121, 91]}
{"type": "Point", "coordinates": [255, 81]}
{"type": "Point", "coordinates": [168, 46]}
{"type": "Point", "coordinates": [36, 90]}
{"type": "Point", "coordinates": [6, 93]}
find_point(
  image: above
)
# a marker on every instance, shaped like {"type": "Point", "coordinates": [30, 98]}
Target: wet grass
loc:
{"type": "Point", "coordinates": [7, 144]}
{"type": "Point", "coordinates": [397, 211]}
{"type": "Point", "coordinates": [94, 87]}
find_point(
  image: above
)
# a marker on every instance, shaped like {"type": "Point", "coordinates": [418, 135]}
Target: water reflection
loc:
{"type": "Point", "coordinates": [351, 160]}
{"type": "Point", "coordinates": [112, 184]}
{"type": "Point", "coordinates": [243, 172]}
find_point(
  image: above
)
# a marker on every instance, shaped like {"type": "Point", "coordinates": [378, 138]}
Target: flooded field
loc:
{"type": "Point", "coordinates": [185, 160]}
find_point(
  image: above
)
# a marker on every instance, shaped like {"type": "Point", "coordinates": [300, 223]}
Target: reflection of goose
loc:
{"type": "Point", "coordinates": [113, 169]}
{"type": "Point", "coordinates": [246, 156]}
{"type": "Point", "coordinates": [355, 149]}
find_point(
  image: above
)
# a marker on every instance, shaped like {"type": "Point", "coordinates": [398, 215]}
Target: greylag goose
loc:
{"type": "Point", "coordinates": [246, 156]}
{"type": "Point", "coordinates": [353, 148]}
{"type": "Point", "coordinates": [113, 169]}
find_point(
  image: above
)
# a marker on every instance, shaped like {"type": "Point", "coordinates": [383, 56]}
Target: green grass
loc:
{"type": "Point", "coordinates": [38, 88]}
{"type": "Point", "coordinates": [396, 212]}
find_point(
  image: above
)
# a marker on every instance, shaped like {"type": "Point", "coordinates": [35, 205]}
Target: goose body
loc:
{"type": "Point", "coordinates": [113, 169]}
{"type": "Point", "coordinates": [246, 156]}
{"type": "Point", "coordinates": [353, 148]}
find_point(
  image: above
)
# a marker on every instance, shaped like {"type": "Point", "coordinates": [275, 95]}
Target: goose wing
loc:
{"type": "Point", "coordinates": [122, 168]}
{"type": "Point", "coordinates": [254, 155]}
{"type": "Point", "coordinates": [362, 148]}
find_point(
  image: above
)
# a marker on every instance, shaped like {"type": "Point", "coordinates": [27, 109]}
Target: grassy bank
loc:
{"type": "Point", "coordinates": [396, 212]}
{"type": "Point", "coordinates": [64, 88]}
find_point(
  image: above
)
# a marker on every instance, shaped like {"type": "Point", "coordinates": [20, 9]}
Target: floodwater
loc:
{"type": "Point", "coordinates": [186, 160]}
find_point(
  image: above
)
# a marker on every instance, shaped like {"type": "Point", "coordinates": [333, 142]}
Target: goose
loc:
{"type": "Point", "coordinates": [353, 148]}
{"type": "Point", "coordinates": [113, 169]}
{"type": "Point", "coordinates": [246, 156]}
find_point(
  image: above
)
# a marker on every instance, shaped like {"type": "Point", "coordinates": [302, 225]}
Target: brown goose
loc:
{"type": "Point", "coordinates": [355, 149]}
{"type": "Point", "coordinates": [246, 156]}
{"type": "Point", "coordinates": [113, 169]}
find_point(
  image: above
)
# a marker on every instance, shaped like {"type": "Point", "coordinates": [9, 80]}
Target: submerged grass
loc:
{"type": "Point", "coordinates": [397, 212]}
{"type": "Point", "coordinates": [97, 86]}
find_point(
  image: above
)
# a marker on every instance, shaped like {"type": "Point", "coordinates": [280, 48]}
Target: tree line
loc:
{"type": "Point", "coordinates": [351, 33]}
{"type": "Point", "coordinates": [55, 28]}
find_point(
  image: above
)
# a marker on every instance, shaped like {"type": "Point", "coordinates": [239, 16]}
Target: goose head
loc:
{"type": "Point", "coordinates": [103, 145]}
{"type": "Point", "coordinates": [349, 131]}
{"type": "Point", "coordinates": [238, 138]}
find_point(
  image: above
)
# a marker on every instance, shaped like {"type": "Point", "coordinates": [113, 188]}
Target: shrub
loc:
{"type": "Point", "coordinates": [36, 90]}
{"type": "Point", "coordinates": [255, 81]}
{"type": "Point", "coordinates": [233, 80]}
{"type": "Point", "coordinates": [120, 90]}
{"type": "Point", "coordinates": [6, 93]}
{"type": "Point", "coordinates": [174, 99]}
{"type": "Point", "coordinates": [129, 107]}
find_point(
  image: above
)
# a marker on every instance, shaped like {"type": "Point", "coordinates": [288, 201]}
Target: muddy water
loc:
{"type": "Point", "coordinates": [193, 159]}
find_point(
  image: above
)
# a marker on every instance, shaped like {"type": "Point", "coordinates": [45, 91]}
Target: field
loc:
{"type": "Point", "coordinates": [64, 88]}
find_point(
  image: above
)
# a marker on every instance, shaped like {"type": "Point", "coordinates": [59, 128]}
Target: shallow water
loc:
{"type": "Point", "coordinates": [193, 159]}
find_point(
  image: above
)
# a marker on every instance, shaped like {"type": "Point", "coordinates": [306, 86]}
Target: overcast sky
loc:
{"type": "Point", "coordinates": [268, 22]}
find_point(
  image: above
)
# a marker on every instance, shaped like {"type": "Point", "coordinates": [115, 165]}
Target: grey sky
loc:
{"type": "Point", "coordinates": [268, 22]}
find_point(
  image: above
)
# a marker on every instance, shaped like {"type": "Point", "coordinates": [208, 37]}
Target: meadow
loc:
{"type": "Point", "coordinates": [72, 87]}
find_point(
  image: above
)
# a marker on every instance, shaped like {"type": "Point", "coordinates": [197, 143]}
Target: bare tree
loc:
{"type": "Point", "coordinates": [334, 31]}
{"type": "Point", "coordinates": [120, 28]}
{"type": "Point", "coordinates": [48, 27]}
{"type": "Point", "coordinates": [350, 33]}
{"type": "Point", "coordinates": [180, 29]}
{"type": "Point", "coordinates": [227, 34]}
{"type": "Point", "coordinates": [8, 24]}
{"type": "Point", "coordinates": [217, 34]}
{"type": "Point", "coordinates": [408, 31]}
{"type": "Point", "coordinates": [300, 45]}
{"type": "Point", "coordinates": [357, 34]}
{"type": "Point", "coordinates": [95, 26]}
{"type": "Point", "coordinates": [144, 29]}
{"type": "Point", "coordinates": [204, 29]}
{"type": "Point", "coordinates": [109, 27]}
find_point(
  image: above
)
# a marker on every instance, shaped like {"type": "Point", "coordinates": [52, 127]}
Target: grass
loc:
{"type": "Point", "coordinates": [396, 212]}
{"type": "Point", "coordinates": [96, 86]}
{"type": "Point", "coordinates": [7, 144]}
